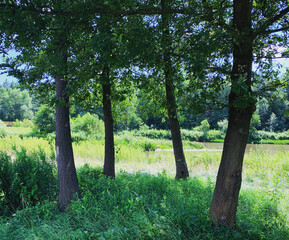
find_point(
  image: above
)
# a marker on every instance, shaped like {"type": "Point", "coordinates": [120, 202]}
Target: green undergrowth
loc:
{"type": "Point", "coordinates": [273, 141]}
{"type": "Point", "coordinates": [26, 180]}
{"type": "Point", "coordinates": [142, 206]}
{"type": "Point", "coordinates": [149, 143]}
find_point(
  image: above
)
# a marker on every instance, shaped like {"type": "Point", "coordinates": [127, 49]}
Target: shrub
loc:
{"type": "Point", "coordinates": [6, 178]}
{"type": "Point", "coordinates": [204, 127]}
{"type": "Point", "coordinates": [192, 135]}
{"type": "Point", "coordinates": [44, 120]}
{"type": "Point", "coordinates": [3, 129]}
{"type": "Point", "coordinates": [214, 134]}
{"type": "Point", "coordinates": [26, 181]}
{"type": "Point", "coordinates": [147, 145]}
{"type": "Point", "coordinates": [223, 125]}
{"type": "Point", "coordinates": [258, 135]}
{"type": "Point", "coordinates": [78, 136]}
{"type": "Point", "coordinates": [154, 134]}
{"type": "Point", "coordinates": [127, 138]}
{"type": "Point", "coordinates": [25, 123]}
{"type": "Point", "coordinates": [90, 124]}
{"type": "Point", "coordinates": [87, 176]}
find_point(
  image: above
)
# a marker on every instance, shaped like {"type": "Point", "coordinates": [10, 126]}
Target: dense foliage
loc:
{"type": "Point", "coordinates": [88, 125]}
{"type": "Point", "coordinates": [270, 116]}
{"type": "Point", "coordinates": [44, 120]}
{"type": "Point", "coordinates": [142, 206]}
{"type": "Point", "coordinates": [15, 104]}
{"type": "Point", "coordinates": [26, 181]}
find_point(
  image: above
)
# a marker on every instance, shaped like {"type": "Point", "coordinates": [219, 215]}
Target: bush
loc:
{"type": "Point", "coordinates": [87, 176]}
{"type": "Point", "coordinates": [155, 134]}
{"type": "Point", "coordinates": [146, 145]}
{"type": "Point", "coordinates": [3, 129]}
{"type": "Point", "coordinates": [204, 127]}
{"type": "Point", "coordinates": [214, 134]}
{"type": "Point", "coordinates": [223, 125]}
{"type": "Point", "coordinates": [25, 123]}
{"type": "Point", "coordinates": [44, 120]}
{"type": "Point", "coordinates": [26, 181]}
{"type": "Point", "coordinates": [89, 124]}
{"type": "Point", "coordinates": [258, 135]}
{"type": "Point", "coordinates": [127, 138]}
{"type": "Point", "coordinates": [6, 179]}
{"type": "Point", "coordinates": [191, 135]}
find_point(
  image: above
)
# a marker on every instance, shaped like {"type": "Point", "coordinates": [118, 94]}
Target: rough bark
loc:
{"type": "Point", "coordinates": [241, 107]}
{"type": "Point", "coordinates": [180, 160]}
{"type": "Point", "coordinates": [109, 154]}
{"type": "Point", "coordinates": [68, 183]}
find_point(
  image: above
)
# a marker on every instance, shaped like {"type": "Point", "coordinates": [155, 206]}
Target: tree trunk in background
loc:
{"type": "Point", "coordinates": [181, 165]}
{"type": "Point", "coordinates": [68, 183]}
{"type": "Point", "coordinates": [241, 108]}
{"type": "Point", "coordinates": [109, 156]}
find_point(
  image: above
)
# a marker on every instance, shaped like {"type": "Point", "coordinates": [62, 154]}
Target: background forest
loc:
{"type": "Point", "coordinates": [270, 120]}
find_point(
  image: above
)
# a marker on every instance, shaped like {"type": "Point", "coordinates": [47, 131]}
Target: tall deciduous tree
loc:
{"type": "Point", "coordinates": [15, 104]}
{"type": "Point", "coordinates": [103, 61]}
{"type": "Point", "coordinates": [241, 100]}
{"type": "Point", "coordinates": [44, 45]}
{"type": "Point", "coordinates": [180, 160]}
{"type": "Point", "coordinates": [68, 183]}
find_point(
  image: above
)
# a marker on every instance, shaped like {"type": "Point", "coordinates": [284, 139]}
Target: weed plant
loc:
{"type": "Point", "coordinates": [142, 206]}
{"type": "Point", "coordinates": [26, 181]}
{"type": "Point", "coordinates": [148, 204]}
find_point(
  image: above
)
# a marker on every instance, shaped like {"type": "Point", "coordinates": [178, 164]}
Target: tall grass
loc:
{"type": "Point", "coordinates": [141, 206]}
{"type": "Point", "coordinates": [145, 202]}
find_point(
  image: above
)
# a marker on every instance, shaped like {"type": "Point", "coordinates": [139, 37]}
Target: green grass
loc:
{"type": "Point", "coordinates": [273, 141]}
{"type": "Point", "coordinates": [24, 131]}
{"type": "Point", "coordinates": [218, 140]}
{"type": "Point", "coordinates": [145, 202]}
{"type": "Point", "coordinates": [142, 206]}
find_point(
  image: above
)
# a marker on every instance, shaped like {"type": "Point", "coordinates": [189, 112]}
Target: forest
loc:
{"type": "Point", "coordinates": [143, 119]}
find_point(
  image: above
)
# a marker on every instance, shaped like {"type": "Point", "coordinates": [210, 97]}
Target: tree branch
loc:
{"type": "Point", "coordinates": [5, 65]}
{"type": "Point", "coordinates": [269, 22]}
{"type": "Point", "coordinates": [277, 30]}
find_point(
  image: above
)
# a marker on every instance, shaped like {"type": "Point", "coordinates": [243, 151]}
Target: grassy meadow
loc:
{"type": "Point", "coordinates": [144, 202]}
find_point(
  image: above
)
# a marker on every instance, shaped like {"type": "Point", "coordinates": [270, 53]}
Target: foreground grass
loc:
{"type": "Point", "coordinates": [142, 206]}
{"type": "Point", "coordinates": [145, 202]}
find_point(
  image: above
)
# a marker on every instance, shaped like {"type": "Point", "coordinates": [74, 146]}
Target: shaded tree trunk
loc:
{"type": "Point", "coordinates": [67, 177]}
{"type": "Point", "coordinates": [68, 183]}
{"type": "Point", "coordinates": [109, 154]}
{"type": "Point", "coordinates": [180, 160]}
{"type": "Point", "coordinates": [241, 108]}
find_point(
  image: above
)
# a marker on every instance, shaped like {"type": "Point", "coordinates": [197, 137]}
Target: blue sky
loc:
{"type": "Point", "coordinates": [4, 77]}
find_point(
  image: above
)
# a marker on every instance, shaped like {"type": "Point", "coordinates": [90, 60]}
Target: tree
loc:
{"type": "Point", "coordinates": [15, 104]}
{"type": "Point", "coordinates": [44, 46]}
{"type": "Point", "coordinates": [242, 99]}
{"type": "Point", "coordinates": [180, 160]}
{"type": "Point", "coordinates": [107, 55]}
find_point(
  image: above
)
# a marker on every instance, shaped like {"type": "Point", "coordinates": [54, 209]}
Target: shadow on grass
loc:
{"type": "Point", "coordinates": [142, 206]}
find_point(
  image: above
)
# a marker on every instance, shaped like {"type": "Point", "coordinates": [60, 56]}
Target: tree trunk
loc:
{"type": "Point", "coordinates": [68, 183]}
{"type": "Point", "coordinates": [241, 107]}
{"type": "Point", "coordinates": [180, 160]}
{"type": "Point", "coordinates": [181, 165]}
{"type": "Point", "coordinates": [109, 157]}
